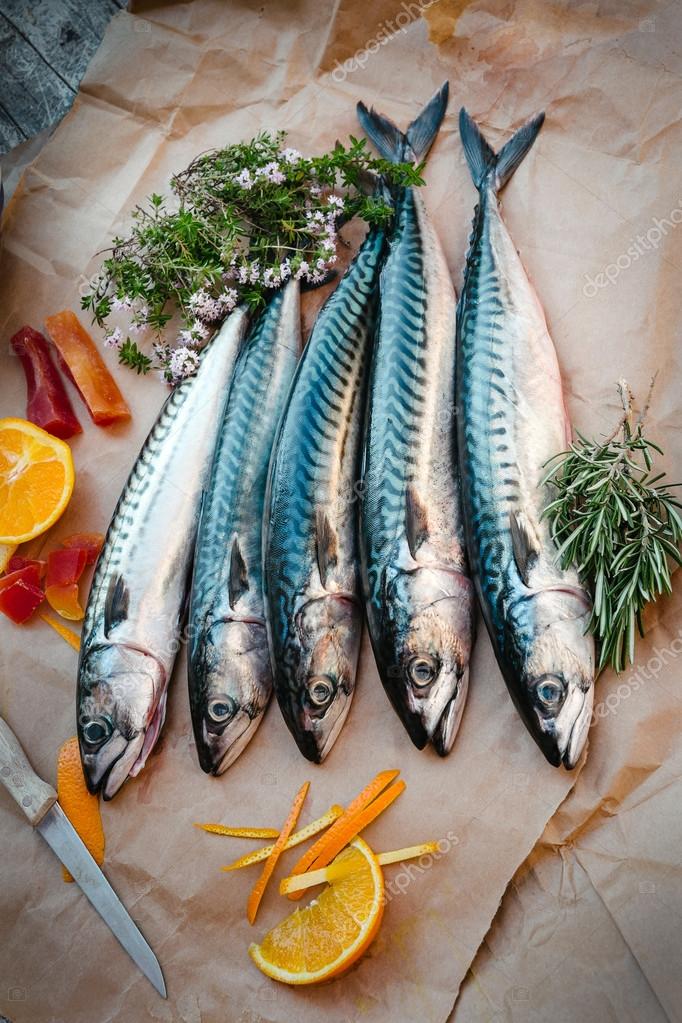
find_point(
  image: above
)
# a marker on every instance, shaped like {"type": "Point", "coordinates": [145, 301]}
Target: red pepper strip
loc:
{"type": "Point", "coordinates": [48, 404]}
{"type": "Point", "coordinates": [91, 543]}
{"type": "Point", "coordinates": [65, 566]}
{"type": "Point", "coordinates": [63, 598]}
{"type": "Point", "coordinates": [16, 562]}
{"type": "Point", "coordinates": [83, 363]}
{"type": "Point", "coordinates": [20, 594]}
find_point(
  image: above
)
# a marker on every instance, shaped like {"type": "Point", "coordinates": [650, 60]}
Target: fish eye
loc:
{"type": "Point", "coordinates": [320, 690]}
{"type": "Point", "coordinates": [422, 670]}
{"type": "Point", "coordinates": [220, 709]}
{"type": "Point", "coordinates": [96, 731]}
{"type": "Point", "coordinates": [550, 692]}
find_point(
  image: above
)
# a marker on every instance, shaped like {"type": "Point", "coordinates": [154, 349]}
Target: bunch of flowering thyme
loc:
{"type": "Point", "coordinates": [240, 222]}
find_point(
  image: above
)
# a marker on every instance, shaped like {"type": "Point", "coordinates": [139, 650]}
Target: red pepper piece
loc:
{"type": "Point", "coordinates": [65, 567]}
{"type": "Point", "coordinates": [20, 594]}
{"type": "Point", "coordinates": [91, 543]}
{"type": "Point", "coordinates": [63, 598]}
{"type": "Point", "coordinates": [16, 562]}
{"type": "Point", "coordinates": [48, 404]}
{"type": "Point", "coordinates": [86, 368]}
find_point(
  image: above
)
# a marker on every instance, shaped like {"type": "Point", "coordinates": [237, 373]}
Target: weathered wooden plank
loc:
{"type": "Point", "coordinates": [32, 94]}
{"type": "Point", "coordinates": [10, 133]}
{"type": "Point", "coordinates": [65, 33]}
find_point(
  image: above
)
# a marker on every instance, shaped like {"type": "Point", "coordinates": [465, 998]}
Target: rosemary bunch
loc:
{"type": "Point", "coordinates": [240, 221]}
{"type": "Point", "coordinates": [614, 519]}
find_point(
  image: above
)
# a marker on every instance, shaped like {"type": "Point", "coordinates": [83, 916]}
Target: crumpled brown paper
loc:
{"type": "Point", "coordinates": [173, 80]}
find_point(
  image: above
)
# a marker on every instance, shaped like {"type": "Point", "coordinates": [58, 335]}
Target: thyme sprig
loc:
{"type": "Point", "coordinates": [616, 520]}
{"type": "Point", "coordinates": [239, 222]}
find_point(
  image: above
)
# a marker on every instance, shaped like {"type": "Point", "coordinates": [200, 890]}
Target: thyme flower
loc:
{"type": "Point", "coordinates": [239, 222]}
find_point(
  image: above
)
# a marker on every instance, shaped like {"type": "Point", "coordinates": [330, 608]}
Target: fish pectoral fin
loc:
{"type": "Point", "coordinates": [238, 582]}
{"type": "Point", "coordinates": [327, 543]}
{"type": "Point", "coordinates": [525, 543]}
{"type": "Point", "coordinates": [116, 604]}
{"type": "Point", "coordinates": [416, 520]}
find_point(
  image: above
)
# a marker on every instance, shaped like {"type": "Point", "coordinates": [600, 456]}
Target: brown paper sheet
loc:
{"type": "Point", "coordinates": [168, 82]}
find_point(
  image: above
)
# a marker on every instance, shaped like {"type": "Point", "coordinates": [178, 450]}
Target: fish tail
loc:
{"type": "Point", "coordinates": [413, 144]}
{"type": "Point", "coordinates": [484, 163]}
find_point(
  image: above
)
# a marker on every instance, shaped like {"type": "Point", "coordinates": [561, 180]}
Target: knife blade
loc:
{"type": "Point", "coordinates": [38, 800]}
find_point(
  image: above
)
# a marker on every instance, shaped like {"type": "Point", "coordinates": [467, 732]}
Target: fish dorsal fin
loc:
{"type": "Point", "coordinates": [116, 604]}
{"type": "Point", "coordinates": [327, 543]}
{"type": "Point", "coordinates": [416, 520]}
{"type": "Point", "coordinates": [238, 582]}
{"type": "Point", "coordinates": [525, 543]}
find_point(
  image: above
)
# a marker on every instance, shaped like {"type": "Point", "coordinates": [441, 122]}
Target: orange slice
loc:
{"type": "Point", "coordinates": [36, 480]}
{"type": "Point", "coordinates": [344, 829]}
{"type": "Point", "coordinates": [6, 552]}
{"type": "Point", "coordinates": [325, 938]}
{"type": "Point", "coordinates": [79, 805]}
{"type": "Point", "coordinates": [277, 850]}
{"type": "Point", "coordinates": [337, 870]}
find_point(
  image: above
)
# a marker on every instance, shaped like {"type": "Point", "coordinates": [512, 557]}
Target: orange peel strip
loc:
{"type": "Point", "coordinates": [79, 805]}
{"type": "Point", "coordinates": [71, 637]}
{"type": "Point", "coordinates": [225, 829]}
{"type": "Point", "coordinates": [271, 862]}
{"type": "Point", "coordinates": [338, 870]}
{"type": "Point", "coordinates": [347, 827]}
{"type": "Point", "coordinates": [303, 835]}
{"type": "Point", "coordinates": [362, 800]}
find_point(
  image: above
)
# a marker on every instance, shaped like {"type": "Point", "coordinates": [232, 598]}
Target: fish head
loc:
{"type": "Point", "coordinates": [558, 675]}
{"type": "Point", "coordinates": [321, 677]}
{"type": "Point", "coordinates": [429, 626]}
{"type": "Point", "coordinates": [121, 707]}
{"type": "Point", "coordinates": [230, 684]}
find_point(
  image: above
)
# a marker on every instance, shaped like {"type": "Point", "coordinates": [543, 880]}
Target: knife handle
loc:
{"type": "Point", "coordinates": [34, 796]}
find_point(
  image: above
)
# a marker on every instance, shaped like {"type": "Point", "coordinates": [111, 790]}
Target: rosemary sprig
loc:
{"type": "Point", "coordinates": [616, 520]}
{"type": "Point", "coordinates": [240, 221]}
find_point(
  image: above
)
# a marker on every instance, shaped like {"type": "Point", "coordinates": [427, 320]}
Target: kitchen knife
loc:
{"type": "Point", "coordinates": [38, 800]}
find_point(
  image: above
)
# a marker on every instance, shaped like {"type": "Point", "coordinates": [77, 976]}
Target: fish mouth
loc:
{"type": "Point", "coordinates": [578, 734]}
{"type": "Point", "coordinates": [216, 766]}
{"type": "Point", "coordinates": [133, 756]}
{"type": "Point", "coordinates": [119, 769]}
{"type": "Point", "coordinates": [565, 743]}
{"type": "Point", "coordinates": [445, 732]}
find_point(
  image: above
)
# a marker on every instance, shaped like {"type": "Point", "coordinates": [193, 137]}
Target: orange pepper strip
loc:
{"type": "Point", "coordinates": [224, 829]}
{"type": "Point", "coordinates": [87, 369]}
{"type": "Point", "coordinates": [362, 800]}
{"type": "Point", "coordinates": [348, 826]}
{"type": "Point", "coordinates": [271, 862]}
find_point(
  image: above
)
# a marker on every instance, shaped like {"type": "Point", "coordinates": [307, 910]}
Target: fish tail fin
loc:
{"type": "Point", "coordinates": [413, 144]}
{"type": "Point", "coordinates": [482, 159]}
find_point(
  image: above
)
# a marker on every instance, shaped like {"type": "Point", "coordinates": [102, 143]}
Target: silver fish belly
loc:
{"type": "Point", "coordinates": [512, 420]}
{"type": "Point", "coordinates": [230, 679]}
{"type": "Point", "coordinates": [311, 577]}
{"type": "Point", "coordinates": [131, 631]}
